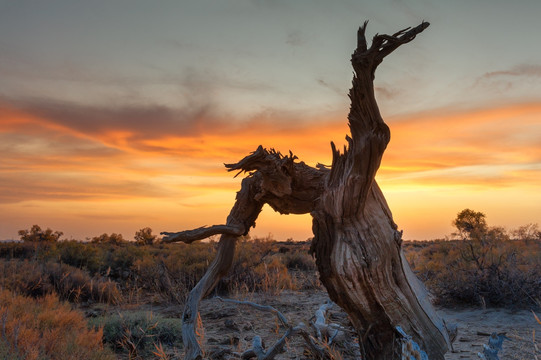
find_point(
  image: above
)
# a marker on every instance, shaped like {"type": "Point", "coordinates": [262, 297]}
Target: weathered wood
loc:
{"type": "Point", "coordinates": [259, 352]}
{"type": "Point", "coordinates": [495, 344]}
{"type": "Point", "coordinates": [356, 243]}
{"type": "Point", "coordinates": [189, 236]}
{"type": "Point", "coordinates": [287, 186]}
{"type": "Point", "coordinates": [242, 217]}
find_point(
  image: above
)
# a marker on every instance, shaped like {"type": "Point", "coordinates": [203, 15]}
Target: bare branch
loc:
{"type": "Point", "coordinates": [404, 36]}
{"type": "Point", "coordinates": [361, 38]}
{"type": "Point", "coordinates": [300, 329]}
{"type": "Point", "coordinates": [257, 349]}
{"type": "Point", "coordinates": [189, 236]}
{"type": "Point", "coordinates": [382, 45]}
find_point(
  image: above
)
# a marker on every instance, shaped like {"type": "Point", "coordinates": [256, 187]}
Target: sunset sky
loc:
{"type": "Point", "coordinates": [119, 114]}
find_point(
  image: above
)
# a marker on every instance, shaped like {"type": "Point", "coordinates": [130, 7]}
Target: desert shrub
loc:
{"type": "Point", "coordinates": [83, 271]}
{"type": "Point", "coordinates": [299, 260]}
{"type": "Point", "coordinates": [137, 334]}
{"type": "Point", "coordinates": [164, 278]}
{"type": "Point", "coordinates": [302, 268]}
{"type": "Point", "coordinates": [483, 266]}
{"type": "Point", "coordinates": [24, 277]}
{"type": "Point", "coordinates": [119, 260]}
{"type": "Point", "coordinates": [35, 279]}
{"type": "Point", "coordinates": [257, 266]}
{"type": "Point", "coordinates": [77, 286]}
{"type": "Point", "coordinates": [144, 236]}
{"type": "Point", "coordinates": [115, 239]}
{"type": "Point", "coordinates": [272, 277]}
{"type": "Point", "coordinates": [175, 269]}
{"type": "Point", "coordinates": [36, 234]}
{"type": "Point", "coordinates": [508, 276]}
{"type": "Point", "coordinates": [169, 271]}
{"type": "Point", "coordinates": [17, 250]}
{"type": "Point", "coordinates": [78, 254]}
{"type": "Point", "coordinates": [46, 329]}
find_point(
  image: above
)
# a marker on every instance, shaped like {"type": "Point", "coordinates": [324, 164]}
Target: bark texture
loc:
{"type": "Point", "coordinates": [356, 243]}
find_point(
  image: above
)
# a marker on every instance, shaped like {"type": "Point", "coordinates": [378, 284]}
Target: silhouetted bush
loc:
{"type": "Point", "coordinates": [144, 236]}
{"type": "Point", "coordinates": [36, 234]}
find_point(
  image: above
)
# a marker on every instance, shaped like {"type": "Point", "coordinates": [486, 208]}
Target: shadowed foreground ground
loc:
{"type": "Point", "coordinates": [236, 324]}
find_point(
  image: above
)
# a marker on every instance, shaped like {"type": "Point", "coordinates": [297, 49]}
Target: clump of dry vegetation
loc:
{"type": "Point", "coordinates": [483, 265]}
{"type": "Point", "coordinates": [36, 279]}
{"type": "Point", "coordinates": [46, 329]}
{"type": "Point", "coordinates": [140, 335]}
{"type": "Point", "coordinates": [112, 271]}
{"type": "Point", "coordinates": [480, 265]}
{"type": "Point", "coordinates": [116, 271]}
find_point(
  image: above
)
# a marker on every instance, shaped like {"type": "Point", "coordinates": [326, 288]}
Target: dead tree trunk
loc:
{"type": "Point", "coordinates": [356, 242]}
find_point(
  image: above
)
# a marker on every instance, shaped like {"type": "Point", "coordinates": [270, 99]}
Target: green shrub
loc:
{"type": "Point", "coordinates": [80, 255]}
{"type": "Point", "coordinates": [137, 334]}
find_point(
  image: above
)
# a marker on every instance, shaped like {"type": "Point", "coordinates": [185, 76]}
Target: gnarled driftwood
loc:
{"type": "Point", "coordinates": [356, 243]}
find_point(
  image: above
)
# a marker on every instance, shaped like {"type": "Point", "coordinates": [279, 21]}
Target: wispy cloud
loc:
{"type": "Point", "coordinates": [295, 38]}
{"type": "Point", "coordinates": [53, 153]}
{"type": "Point", "coordinates": [482, 146]}
{"type": "Point", "coordinates": [386, 92]}
{"type": "Point", "coordinates": [507, 77]}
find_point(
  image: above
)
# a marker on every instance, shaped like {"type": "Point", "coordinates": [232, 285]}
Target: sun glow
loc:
{"type": "Point", "coordinates": [120, 180]}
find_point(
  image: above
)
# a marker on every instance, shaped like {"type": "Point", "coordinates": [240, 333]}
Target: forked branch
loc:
{"type": "Point", "coordinates": [382, 45]}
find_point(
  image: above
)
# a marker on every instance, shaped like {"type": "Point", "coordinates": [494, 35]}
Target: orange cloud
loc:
{"type": "Point", "coordinates": [479, 143]}
{"type": "Point", "coordinates": [164, 164]}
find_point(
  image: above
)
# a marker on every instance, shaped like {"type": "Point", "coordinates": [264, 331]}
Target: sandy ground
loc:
{"type": "Point", "coordinates": [229, 325]}
{"type": "Point", "coordinates": [520, 327]}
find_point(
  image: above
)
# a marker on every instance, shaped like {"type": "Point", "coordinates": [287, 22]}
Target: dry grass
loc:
{"type": "Point", "coordinates": [32, 278]}
{"type": "Point", "coordinates": [140, 334]}
{"type": "Point", "coordinates": [46, 329]}
{"type": "Point", "coordinates": [502, 273]}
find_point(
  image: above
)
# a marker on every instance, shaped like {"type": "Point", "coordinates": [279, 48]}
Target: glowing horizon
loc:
{"type": "Point", "coordinates": [111, 183]}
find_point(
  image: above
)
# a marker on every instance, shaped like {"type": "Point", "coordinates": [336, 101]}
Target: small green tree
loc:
{"type": "Point", "coordinates": [145, 237]}
{"type": "Point", "coordinates": [486, 262]}
{"type": "Point", "coordinates": [480, 242]}
{"type": "Point", "coordinates": [36, 234]}
{"type": "Point", "coordinates": [471, 225]}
